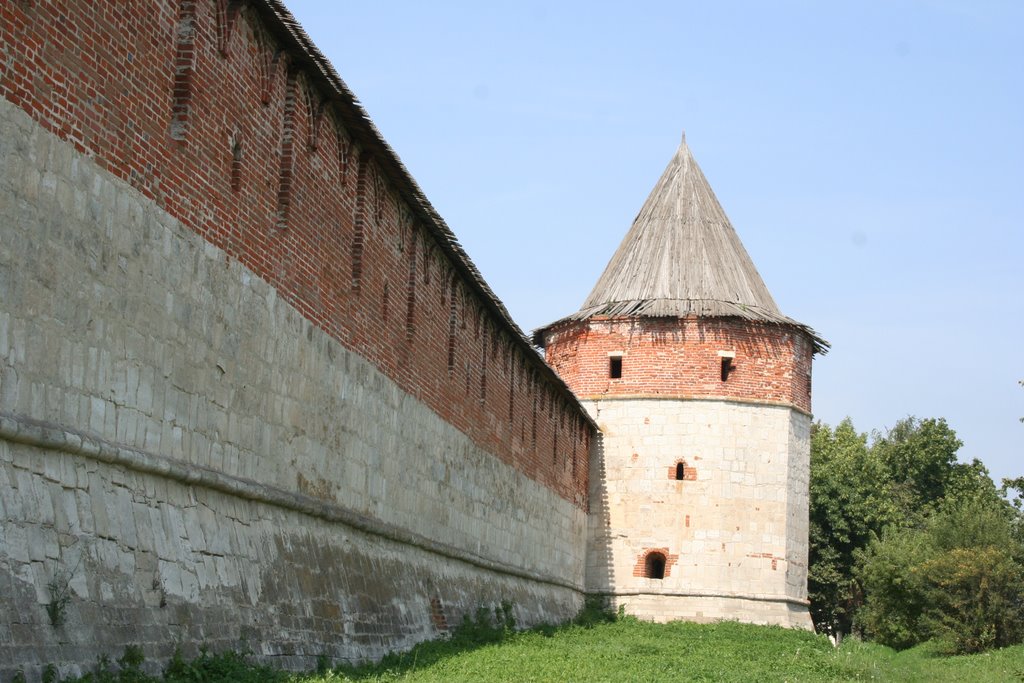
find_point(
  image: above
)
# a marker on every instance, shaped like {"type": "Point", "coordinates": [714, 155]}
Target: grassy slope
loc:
{"type": "Point", "coordinates": [629, 650]}
{"type": "Point", "coordinates": [625, 650]}
{"type": "Point", "coordinates": [924, 664]}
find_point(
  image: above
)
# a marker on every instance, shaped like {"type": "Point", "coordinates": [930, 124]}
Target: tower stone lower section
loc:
{"type": "Point", "coordinates": [733, 530]}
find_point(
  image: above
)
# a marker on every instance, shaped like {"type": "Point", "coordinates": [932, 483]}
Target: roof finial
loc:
{"type": "Point", "coordinates": [684, 137]}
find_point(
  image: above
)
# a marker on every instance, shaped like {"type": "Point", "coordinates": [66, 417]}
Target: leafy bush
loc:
{"type": "Point", "coordinates": [959, 580]}
{"type": "Point", "coordinates": [226, 667]}
{"type": "Point", "coordinates": [596, 610]}
{"type": "Point", "coordinates": [895, 589]}
{"type": "Point", "coordinates": [978, 599]}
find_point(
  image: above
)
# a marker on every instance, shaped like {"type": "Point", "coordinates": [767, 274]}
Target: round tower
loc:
{"type": "Point", "coordinates": [702, 391]}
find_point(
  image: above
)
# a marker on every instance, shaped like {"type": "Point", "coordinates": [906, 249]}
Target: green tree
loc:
{"type": "Point", "coordinates": [975, 599]}
{"type": "Point", "coordinates": [895, 592]}
{"type": "Point", "coordinates": [918, 458]}
{"type": "Point", "coordinates": [1014, 489]}
{"type": "Point", "coordinates": [958, 579]}
{"type": "Point", "coordinates": [861, 493]}
{"type": "Point", "coordinates": [844, 511]}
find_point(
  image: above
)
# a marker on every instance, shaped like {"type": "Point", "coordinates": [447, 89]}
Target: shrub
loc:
{"type": "Point", "coordinates": [959, 579]}
{"type": "Point", "coordinates": [896, 591]}
{"type": "Point", "coordinates": [977, 599]}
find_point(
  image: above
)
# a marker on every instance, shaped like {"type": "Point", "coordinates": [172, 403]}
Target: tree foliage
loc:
{"type": "Point", "coordinates": [844, 512]}
{"type": "Point", "coordinates": [907, 544]}
{"type": "Point", "coordinates": [958, 579]}
{"type": "Point", "coordinates": [918, 462]}
{"type": "Point", "coordinates": [897, 596]}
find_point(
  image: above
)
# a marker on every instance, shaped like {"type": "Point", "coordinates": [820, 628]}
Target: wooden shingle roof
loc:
{"type": "Point", "coordinates": [682, 258]}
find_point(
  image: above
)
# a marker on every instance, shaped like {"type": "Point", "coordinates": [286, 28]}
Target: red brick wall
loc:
{"type": "Point", "coordinates": [197, 106]}
{"type": "Point", "coordinates": [680, 358]}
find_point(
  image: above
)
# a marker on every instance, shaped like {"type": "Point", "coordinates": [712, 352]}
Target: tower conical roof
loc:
{"type": "Point", "coordinates": [682, 257]}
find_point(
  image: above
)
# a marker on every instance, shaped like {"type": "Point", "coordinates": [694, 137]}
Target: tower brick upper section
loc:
{"type": "Point", "coordinates": [703, 358]}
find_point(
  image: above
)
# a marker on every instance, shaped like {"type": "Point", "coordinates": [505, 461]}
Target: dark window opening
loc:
{"type": "Point", "coordinates": [680, 471]}
{"type": "Point", "coordinates": [726, 368]}
{"type": "Point", "coordinates": [654, 566]}
{"type": "Point", "coordinates": [615, 367]}
{"type": "Point", "coordinates": [236, 167]}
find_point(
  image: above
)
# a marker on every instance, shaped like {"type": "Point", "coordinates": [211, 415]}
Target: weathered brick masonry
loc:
{"type": "Point", "coordinates": [667, 357]}
{"type": "Point", "coordinates": [252, 391]}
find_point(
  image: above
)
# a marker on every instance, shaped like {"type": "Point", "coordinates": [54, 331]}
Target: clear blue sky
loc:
{"type": "Point", "coordinates": [870, 155]}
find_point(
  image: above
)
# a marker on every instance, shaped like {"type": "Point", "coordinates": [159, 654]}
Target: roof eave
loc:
{"type": "Point", "coordinates": [632, 310]}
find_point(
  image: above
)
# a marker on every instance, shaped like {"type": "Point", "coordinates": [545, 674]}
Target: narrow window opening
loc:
{"type": "Point", "coordinates": [511, 391]}
{"type": "Point", "coordinates": [184, 68]}
{"type": "Point", "coordinates": [343, 154]}
{"type": "Point", "coordinates": [615, 367]}
{"type": "Point", "coordinates": [452, 324]}
{"type": "Point", "coordinates": [654, 566]}
{"type": "Point", "coordinates": [533, 426]}
{"type": "Point", "coordinates": [284, 191]}
{"type": "Point", "coordinates": [379, 197]}
{"type": "Point", "coordinates": [483, 368]}
{"type": "Point", "coordinates": [317, 110]}
{"type": "Point", "coordinates": [410, 295]}
{"type": "Point", "coordinates": [726, 368]}
{"type": "Point", "coordinates": [236, 167]}
{"type": "Point", "coordinates": [575, 442]}
{"type": "Point", "coordinates": [554, 448]}
{"type": "Point", "coordinates": [680, 471]}
{"type": "Point", "coordinates": [359, 223]}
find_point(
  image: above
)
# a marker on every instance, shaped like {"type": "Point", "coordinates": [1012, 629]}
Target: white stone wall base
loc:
{"type": "Point", "coordinates": [662, 608]}
{"type": "Point", "coordinates": [734, 531]}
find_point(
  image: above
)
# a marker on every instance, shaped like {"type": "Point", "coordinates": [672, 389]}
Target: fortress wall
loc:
{"type": "Point", "coordinates": [200, 463]}
{"type": "Point", "coordinates": [669, 357]}
{"type": "Point", "coordinates": [227, 118]}
{"type": "Point", "coordinates": [150, 561]}
{"type": "Point", "coordinates": [248, 391]}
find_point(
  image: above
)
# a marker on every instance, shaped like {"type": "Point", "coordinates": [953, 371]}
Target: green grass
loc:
{"type": "Point", "coordinates": [627, 650]}
{"type": "Point", "coordinates": [630, 650]}
{"type": "Point", "coordinates": [866, 661]}
{"type": "Point", "coordinates": [623, 650]}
